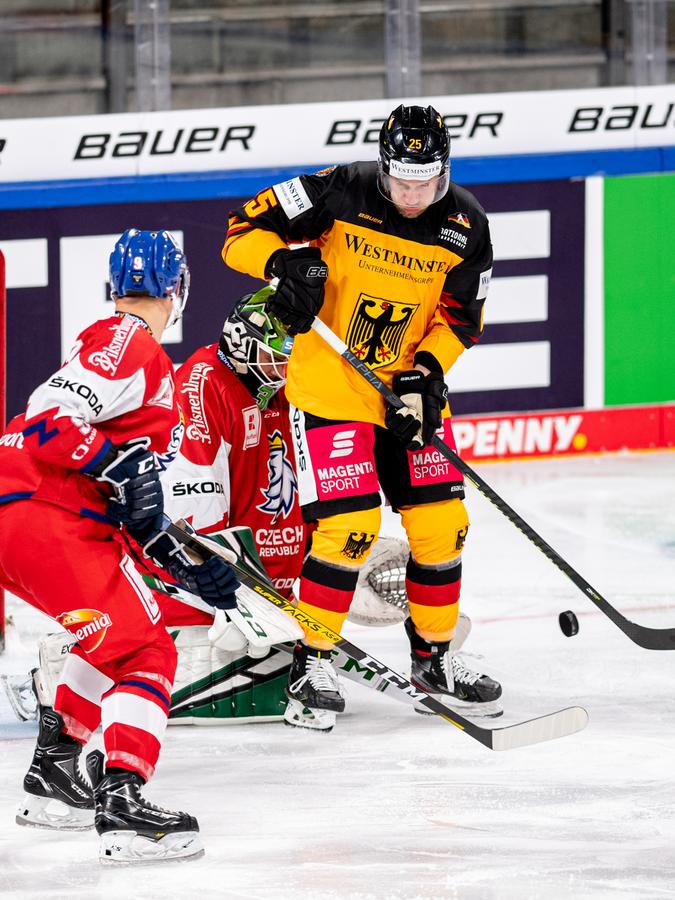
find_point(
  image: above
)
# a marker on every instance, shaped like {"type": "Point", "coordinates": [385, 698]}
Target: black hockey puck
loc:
{"type": "Point", "coordinates": [569, 624]}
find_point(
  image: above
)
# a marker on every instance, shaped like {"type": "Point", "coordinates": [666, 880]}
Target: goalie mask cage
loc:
{"type": "Point", "coordinates": [3, 389]}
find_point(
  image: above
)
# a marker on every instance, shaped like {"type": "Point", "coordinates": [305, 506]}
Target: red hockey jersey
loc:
{"type": "Point", "coordinates": [117, 384]}
{"type": "Point", "coordinates": [235, 465]}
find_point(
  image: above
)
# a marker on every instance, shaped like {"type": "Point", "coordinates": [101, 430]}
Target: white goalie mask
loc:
{"type": "Point", "coordinates": [256, 342]}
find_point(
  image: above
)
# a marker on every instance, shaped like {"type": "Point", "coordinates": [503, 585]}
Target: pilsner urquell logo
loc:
{"type": "Point", "coordinates": [88, 626]}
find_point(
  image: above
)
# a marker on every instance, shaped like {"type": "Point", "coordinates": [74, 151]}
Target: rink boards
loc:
{"type": "Point", "coordinates": [580, 312]}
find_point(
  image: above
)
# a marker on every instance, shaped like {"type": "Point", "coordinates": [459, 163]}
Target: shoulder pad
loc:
{"type": "Point", "coordinates": [116, 348]}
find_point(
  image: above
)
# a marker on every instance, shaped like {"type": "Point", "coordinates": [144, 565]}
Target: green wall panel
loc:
{"type": "Point", "coordinates": [639, 289]}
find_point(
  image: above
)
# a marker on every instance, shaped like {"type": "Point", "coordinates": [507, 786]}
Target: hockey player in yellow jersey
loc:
{"type": "Point", "coordinates": [398, 264]}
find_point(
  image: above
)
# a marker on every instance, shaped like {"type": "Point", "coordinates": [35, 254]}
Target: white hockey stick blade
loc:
{"type": "Point", "coordinates": [536, 731]}
{"type": "Point", "coordinates": [262, 623]}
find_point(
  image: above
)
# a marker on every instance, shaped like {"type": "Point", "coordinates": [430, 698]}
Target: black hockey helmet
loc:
{"type": "Point", "coordinates": [414, 146]}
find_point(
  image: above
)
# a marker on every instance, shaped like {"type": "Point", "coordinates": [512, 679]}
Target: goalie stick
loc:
{"type": "Point", "coordinates": [642, 635]}
{"type": "Point", "coordinates": [522, 734]}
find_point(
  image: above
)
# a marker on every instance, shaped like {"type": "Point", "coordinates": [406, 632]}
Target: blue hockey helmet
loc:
{"type": "Point", "coordinates": [150, 264]}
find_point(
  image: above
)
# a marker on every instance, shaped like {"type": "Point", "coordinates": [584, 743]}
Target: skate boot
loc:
{"type": "Point", "coordinates": [314, 693]}
{"type": "Point", "coordinates": [133, 830]}
{"type": "Point", "coordinates": [443, 675]}
{"type": "Point", "coordinates": [57, 796]}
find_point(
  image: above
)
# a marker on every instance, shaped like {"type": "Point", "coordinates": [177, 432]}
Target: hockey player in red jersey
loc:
{"type": "Point", "coordinates": [83, 460]}
{"type": "Point", "coordinates": [235, 464]}
{"type": "Point", "coordinates": [398, 265]}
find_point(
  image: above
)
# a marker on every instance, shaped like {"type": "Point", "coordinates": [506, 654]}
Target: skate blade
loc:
{"type": "Point", "coordinates": [131, 848]}
{"type": "Point", "coordinates": [490, 710]}
{"type": "Point", "coordinates": [299, 716]}
{"type": "Point", "coordinates": [46, 812]}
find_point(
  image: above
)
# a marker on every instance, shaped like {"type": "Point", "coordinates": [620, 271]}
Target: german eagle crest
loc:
{"type": "Point", "coordinates": [376, 330]}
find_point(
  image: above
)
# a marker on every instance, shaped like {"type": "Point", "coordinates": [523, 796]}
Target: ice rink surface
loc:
{"type": "Point", "coordinates": [396, 805]}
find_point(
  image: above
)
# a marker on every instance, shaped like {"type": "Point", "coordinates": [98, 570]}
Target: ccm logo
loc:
{"type": "Point", "coordinates": [343, 443]}
{"type": "Point", "coordinates": [317, 272]}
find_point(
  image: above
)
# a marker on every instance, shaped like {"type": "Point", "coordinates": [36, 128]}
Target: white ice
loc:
{"type": "Point", "coordinates": [396, 805]}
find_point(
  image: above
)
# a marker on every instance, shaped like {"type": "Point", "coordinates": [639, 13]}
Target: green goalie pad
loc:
{"type": "Point", "coordinates": [214, 687]}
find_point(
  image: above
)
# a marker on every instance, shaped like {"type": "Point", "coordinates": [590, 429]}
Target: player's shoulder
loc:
{"type": "Point", "coordinates": [356, 176]}
{"type": "Point", "coordinates": [463, 205]}
{"type": "Point", "coordinates": [336, 179]}
{"type": "Point", "coordinates": [118, 347]}
{"type": "Point", "coordinates": [202, 361]}
{"type": "Point", "coordinates": [204, 375]}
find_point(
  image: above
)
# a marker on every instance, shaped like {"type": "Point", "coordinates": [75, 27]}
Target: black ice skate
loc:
{"type": "Point", "coordinates": [444, 675]}
{"type": "Point", "coordinates": [313, 691]}
{"type": "Point", "coordinates": [133, 830]}
{"type": "Point", "coordinates": [57, 796]}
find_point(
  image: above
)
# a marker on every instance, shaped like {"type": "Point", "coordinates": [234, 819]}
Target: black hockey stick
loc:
{"type": "Point", "coordinates": [533, 731]}
{"type": "Point", "coordinates": [345, 665]}
{"type": "Point", "coordinates": [649, 638]}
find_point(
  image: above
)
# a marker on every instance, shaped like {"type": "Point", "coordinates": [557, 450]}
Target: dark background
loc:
{"type": "Point", "coordinates": [33, 314]}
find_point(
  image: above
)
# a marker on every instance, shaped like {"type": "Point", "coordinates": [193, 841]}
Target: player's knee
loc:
{"type": "Point", "coordinates": [158, 657]}
{"type": "Point", "coordinates": [346, 539]}
{"type": "Point", "coordinates": [436, 531]}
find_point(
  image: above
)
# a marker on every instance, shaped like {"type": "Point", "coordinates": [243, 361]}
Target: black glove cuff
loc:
{"type": "Point", "coordinates": [109, 457]}
{"type": "Point", "coordinates": [429, 361]}
{"type": "Point", "coordinates": [409, 382]}
{"type": "Point", "coordinates": [270, 266]}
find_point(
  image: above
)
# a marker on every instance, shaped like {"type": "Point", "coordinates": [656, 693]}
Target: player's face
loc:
{"type": "Point", "coordinates": [411, 198]}
{"type": "Point", "coordinates": [272, 364]}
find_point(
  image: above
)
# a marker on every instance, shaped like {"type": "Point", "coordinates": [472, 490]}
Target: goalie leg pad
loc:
{"type": "Point", "coordinates": [53, 652]}
{"type": "Point", "coordinates": [214, 687]}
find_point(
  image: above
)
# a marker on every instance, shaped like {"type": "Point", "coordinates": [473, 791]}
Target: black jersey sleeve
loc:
{"type": "Point", "coordinates": [290, 212]}
{"type": "Point", "coordinates": [466, 285]}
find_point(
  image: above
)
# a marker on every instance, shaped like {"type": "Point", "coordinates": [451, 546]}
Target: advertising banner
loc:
{"type": "Point", "coordinates": [316, 134]}
{"type": "Point", "coordinates": [639, 289]}
{"type": "Point", "coordinates": [565, 432]}
{"type": "Point", "coordinates": [531, 355]}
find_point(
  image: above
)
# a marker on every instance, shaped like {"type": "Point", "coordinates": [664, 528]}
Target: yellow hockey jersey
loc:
{"type": "Point", "coordinates": [395, 287]}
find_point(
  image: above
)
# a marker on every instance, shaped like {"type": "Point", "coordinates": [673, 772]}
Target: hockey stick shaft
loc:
{"type": "Point", "coordinates": [346, 666]}
{"type": "Point", "coordinates": [649, 638]}
{"type": "Point", "coordinates": [534, 731]}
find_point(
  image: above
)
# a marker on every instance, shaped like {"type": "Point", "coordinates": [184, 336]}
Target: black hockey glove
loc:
{"type": "Point", "coordinates": [299, 294]}
{"type": "Point", "coordinates": [424, 397]}
{"type": "Point", "coordinates": [132, 471]}
{"type": "Point", "coordinates": [213, 580]}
